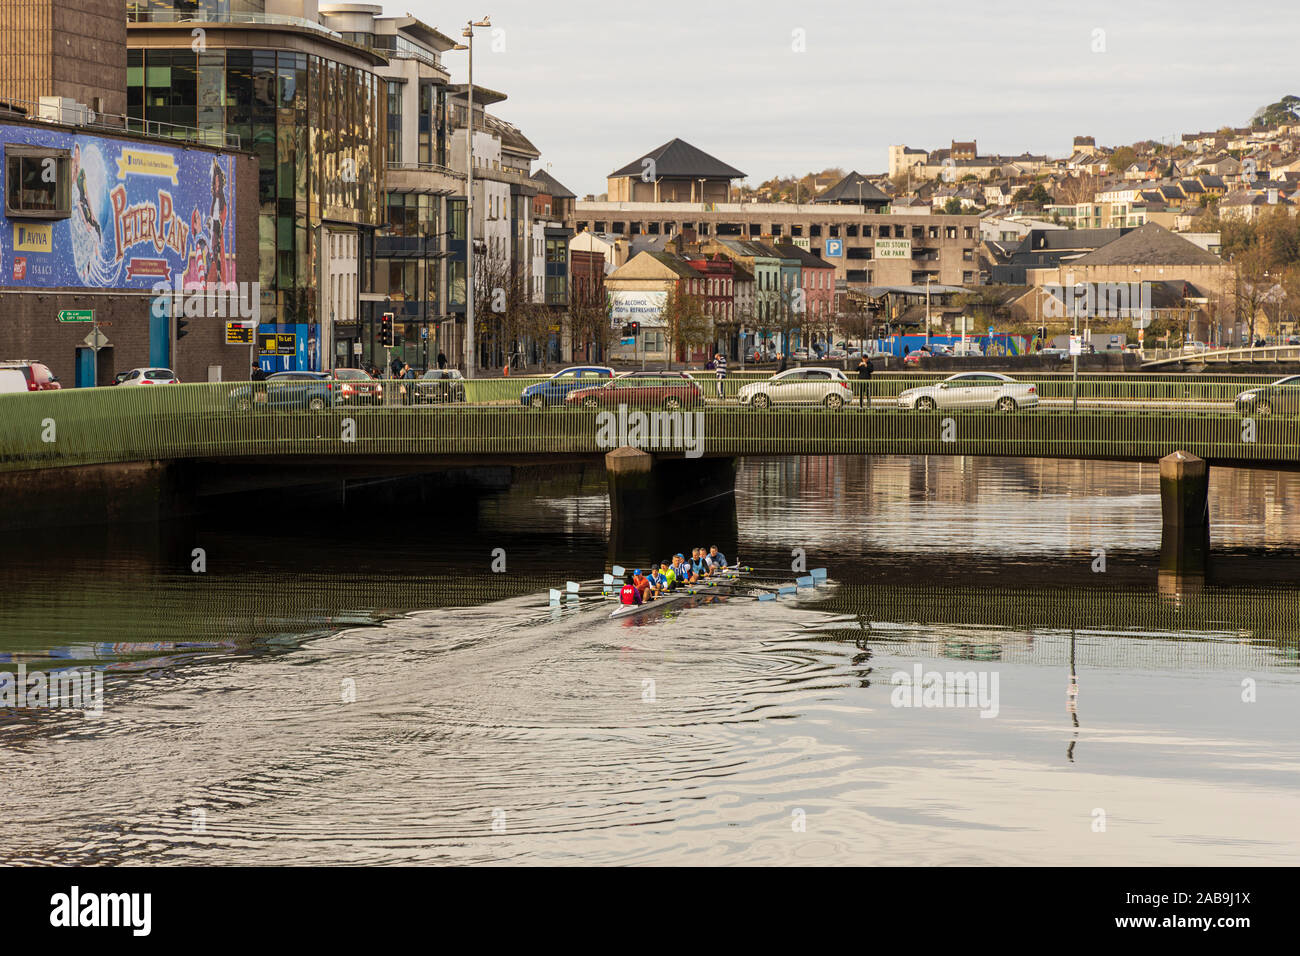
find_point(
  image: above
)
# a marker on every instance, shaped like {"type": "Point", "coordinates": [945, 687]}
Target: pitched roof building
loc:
{"type": "Point", "coordinates": [673, 172]}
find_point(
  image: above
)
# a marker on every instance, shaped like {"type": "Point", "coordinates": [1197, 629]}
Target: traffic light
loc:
{"type": "Point", "coordinates": [1042, 332]}
{"type": "Point", "coordinates": [386, 330]}
{"type": "Point", "coordinates": [633, 328]}
{"type": "Point", "coordinates": [181, 331]}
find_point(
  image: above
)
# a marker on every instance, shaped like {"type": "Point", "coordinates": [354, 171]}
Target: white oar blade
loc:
{"type": "Point", "coordinates": [572, 587]}
{"type": "Point", "coordinates": [618, 571]}
{"type": "Point", "coordinates": [607, 579]}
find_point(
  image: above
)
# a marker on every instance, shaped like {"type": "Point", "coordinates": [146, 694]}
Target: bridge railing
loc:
{"type": "Point", "coordinates": [1113, 419]}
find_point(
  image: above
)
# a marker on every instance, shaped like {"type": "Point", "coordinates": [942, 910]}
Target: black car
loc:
{"type": "Point", "coordinates": [439, 386]}
{"type": "Point", "coordinates": [1278, 398]}
{"type": "Point", "coordinates": [312, 391]}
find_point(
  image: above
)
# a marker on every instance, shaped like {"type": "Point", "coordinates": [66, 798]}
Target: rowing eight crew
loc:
{"type": "Point", "coordinates": [639, 588]}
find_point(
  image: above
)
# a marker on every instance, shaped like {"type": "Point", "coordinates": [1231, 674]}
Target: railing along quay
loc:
{"type": "Point", "coordinates": [1114, 420]}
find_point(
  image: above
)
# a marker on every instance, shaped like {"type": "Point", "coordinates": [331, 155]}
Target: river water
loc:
{"type": "Point", "coordinates": [368, 690]}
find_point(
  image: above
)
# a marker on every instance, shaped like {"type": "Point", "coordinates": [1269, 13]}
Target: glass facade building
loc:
{"type": "Point", "coordinates": [316, 124]}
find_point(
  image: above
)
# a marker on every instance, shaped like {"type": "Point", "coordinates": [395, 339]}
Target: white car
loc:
{"type": "Point", "coordinates": [973, 390]}
{"type": "Point", "coordinates": [148, 376]}
{"type": "Point", "coordinates": [967, 348]}
{"type": "Point", "coordinates": [799, 386]}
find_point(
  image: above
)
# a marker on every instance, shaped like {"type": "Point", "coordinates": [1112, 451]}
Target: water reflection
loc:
{"type": "Point", "coordinates": [366, 689]}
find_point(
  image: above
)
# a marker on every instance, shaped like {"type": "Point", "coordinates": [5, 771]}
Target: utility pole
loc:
{"type": "Point", "coordinates": [927, 310]}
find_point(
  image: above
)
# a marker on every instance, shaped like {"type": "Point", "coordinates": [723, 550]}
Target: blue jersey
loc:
{"type": "Point", "coordinates": [699, 566]}
{"type": "Point", "coordinates": [718, 560]}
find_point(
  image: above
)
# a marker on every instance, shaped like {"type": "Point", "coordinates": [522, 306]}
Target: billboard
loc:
{"type": "Point", "coordinates": [893, 249]}
{"type": "Point", "coordinates": [140, 214]}
{"type": "Point", "coordinates": [643, 307]}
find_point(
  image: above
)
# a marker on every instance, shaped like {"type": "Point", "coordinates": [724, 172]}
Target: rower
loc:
{"type": "Point", "coordinates": [629, 594]}
{"type": "Point", "coordinates": [717, 560]}
{"type": "Point", "coordinates": [642, 584]}
{"type": "Point", "coordinates": [682, 570]}
{"type": "Point", "coordinates": [659, 580]}
{"type": "Point", "coordinates": [666, 572]}
{"type": "Point", "coordinates": [698, 564]}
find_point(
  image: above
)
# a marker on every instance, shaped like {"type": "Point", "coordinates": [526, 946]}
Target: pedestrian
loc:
{"type": "Point", "coordinates": [442, 360]}
{"type": "Point", "coordinates": [865, 368]}
{"type": "Point", "coordinates": [258, 374]}
{"type": "Point", "coordinates": [781, 368]}
{"type": "Point", "coordinates": [720, 370]}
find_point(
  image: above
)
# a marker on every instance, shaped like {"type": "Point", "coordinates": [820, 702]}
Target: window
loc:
{"type": "Point", "coordinates": [37, 183]}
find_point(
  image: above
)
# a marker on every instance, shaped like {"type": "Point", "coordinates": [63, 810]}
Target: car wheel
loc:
{"type": "Point", "coordinates": [925, 404]}
{"type": "Point", "coordinates": [1264, 408]}
{"type": "Point", "coordinates": [316, 403]}
{"type": "Point", "coordinates": [761, 401]}
{"type": "Point", "coordinates": [672, 403]}
{"type": "Point", "coordinates": [537, 401]}
{"type": "Point", "coordinates": [244, 404]}
{"type": "Point", "coordinates": [1006, 404]}
{"type": "Point", "coordinates": [591, 403]}
{"type": "Point", "coordinates": [833, 402]}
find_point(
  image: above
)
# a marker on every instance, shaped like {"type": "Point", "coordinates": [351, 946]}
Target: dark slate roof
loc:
{"type": "Point", "coordinates": [678, 159]}
{"type": "Point", "coordinates": [806, 259]}
{"type": "Point", "coordinates": [1149, 245]}
{"type": "Point", "coordinates": [551, 186]}
{"type": "Point", "coordinates": [846, 191]}
{"type": "Point", "coordinates": [1037, 240]}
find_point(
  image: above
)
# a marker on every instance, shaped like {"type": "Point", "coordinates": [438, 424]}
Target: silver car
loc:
{"type": "Point", "coordinates": [799, 386]}
{"type": "Point", "coordinates": [973, 390]}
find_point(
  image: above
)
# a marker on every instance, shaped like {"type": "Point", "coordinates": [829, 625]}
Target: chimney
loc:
{"type": "Point", "coordinates": [1272, 197]}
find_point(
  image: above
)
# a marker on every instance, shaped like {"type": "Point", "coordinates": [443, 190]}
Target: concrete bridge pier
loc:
{"type": "Point", "coordinates": [1185, 515]}
{"type": "Point", "coordinates": [661, 505]}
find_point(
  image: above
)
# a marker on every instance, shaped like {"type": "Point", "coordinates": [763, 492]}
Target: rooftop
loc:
{"type": "Point", "coordinates": [678, 159]}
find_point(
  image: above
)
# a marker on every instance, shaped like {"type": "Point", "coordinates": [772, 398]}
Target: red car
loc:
{"type": "Point", "coordinates": [26, 377]}
{"type": "Point", "coordinates": [356, 385]}
{"type": "Point", "coordinates": [670, 390]}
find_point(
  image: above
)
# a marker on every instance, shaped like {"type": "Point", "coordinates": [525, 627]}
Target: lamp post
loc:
{"type": "Point", "coordinates": [928, 279]}
{"type": "Point", "coordinates": [469, 350]}
{"type": "Point", "coordinates": [859, 192]}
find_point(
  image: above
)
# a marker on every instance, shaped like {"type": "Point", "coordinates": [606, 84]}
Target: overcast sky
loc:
{"type": "Point", "coordinates": [596, 85]}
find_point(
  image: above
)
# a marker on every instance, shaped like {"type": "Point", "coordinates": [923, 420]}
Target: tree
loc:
{"type": "Point", "coordinates": [953, 206]}
{"type": "Point", "coordinates": [1121, 159]}
{"type": "Point", "coordinates": [684, 319]}
{"type": "Point", "coordinates": [1035, 193]}
{"type": "Point", "coordinates": [1076, 189]}
{"type": "Point", "coordinates": [857, 320]}
{"type": "Point", "coordinates": [1254, 286]}
{"type": "Point", "coordinates": [589, 324]}
{"type": "Point", "coordinates": [1284, 111]}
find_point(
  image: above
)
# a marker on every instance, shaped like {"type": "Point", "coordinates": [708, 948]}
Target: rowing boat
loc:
{"type": "Point", "coordinates": [675, 597]}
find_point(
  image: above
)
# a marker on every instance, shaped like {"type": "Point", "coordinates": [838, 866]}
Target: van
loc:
{"type": "Point", "coordinates": [26, 376]}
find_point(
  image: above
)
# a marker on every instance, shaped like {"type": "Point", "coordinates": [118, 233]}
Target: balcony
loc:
{"type": "Point", "coordinates": [407, 247]}
{"type": "Point", "coordinates": [208, 16]}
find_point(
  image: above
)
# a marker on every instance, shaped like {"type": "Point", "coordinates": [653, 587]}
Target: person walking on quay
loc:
{"type": "Point", "coordinates": [720, 369]}
{"type": "Point", "coordinates": [865, 368]}
{"type": "Point", "coordinates": [258, 375]}
{"type": "Point", "coordinates": [442, 361]}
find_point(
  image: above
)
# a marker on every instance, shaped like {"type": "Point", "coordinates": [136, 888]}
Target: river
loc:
{"type": "Point", "coordinates": [368, 689]}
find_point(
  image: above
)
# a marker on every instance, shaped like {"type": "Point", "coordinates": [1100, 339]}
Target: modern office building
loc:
{"type": "Point", "coordinates": [309, 102]}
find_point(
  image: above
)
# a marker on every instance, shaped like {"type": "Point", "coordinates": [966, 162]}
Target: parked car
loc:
{"type": "Point", "coordinates": [25, 376]}
{"type": "Point", "coordinates": [314, 391]}
{"type": "Point", "coordinates": [1195, 347]}
{"type": "Point", "coordinates": [555, 389]}
{"type": "Point", "coordinates": [670, 390]}
{"type": "Point", "coordinates": [438, 387]}
{"type": "Point", "coordinates": [801, 355]}
{"type": "Point", "coordinates": [357, 387]}
{"type": "Point", "coordinates": [799, 386]}
{"type": "Point", "coordinates": [974, 390]}
{"type": "Point", "coordinates": [147, 376]}
{"type": "Point", "coordinates": [1277, 398]}
{"type": "Point", "coordinates": [968, 348]}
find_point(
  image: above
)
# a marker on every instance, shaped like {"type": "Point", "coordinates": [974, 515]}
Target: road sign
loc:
{"type": "Point", "coordinates": [239, 334]}
{"type": "Point", "coordinates": [1076, 345]}
{"type": "Point", "coordinates": [627, 341]}
{"type": "Point", "coordinates": [96, 339]}
{"type": "Point", "coordinates": [77, 315]}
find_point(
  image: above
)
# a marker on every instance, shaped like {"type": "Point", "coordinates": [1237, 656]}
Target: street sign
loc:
{"type": "Point", "coordinates": [627, 341]}
{"type": "Point", "coordinates": [239, 334]}
{"type": "Point", "coordinates": [96, 339]}
{"type": "Point", "coordinates": [1076, 345]}
{"type": "Point", "coordinates": [77, 315]}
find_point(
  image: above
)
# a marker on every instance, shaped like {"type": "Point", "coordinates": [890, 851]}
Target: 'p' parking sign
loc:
{"type": "Point", "coordinates": [835, 247]}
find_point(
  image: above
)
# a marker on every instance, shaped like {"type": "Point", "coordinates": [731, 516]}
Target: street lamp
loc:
{"type": "Point", "coordinates": [928, 279]}
{"type": "Point", "coordinates": [469, 350]}
{"type": "Point", "coordinates": [859, 192]}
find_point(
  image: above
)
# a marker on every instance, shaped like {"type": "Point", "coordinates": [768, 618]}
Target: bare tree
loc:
{"type": "Point", "coordinates": [685, 320]}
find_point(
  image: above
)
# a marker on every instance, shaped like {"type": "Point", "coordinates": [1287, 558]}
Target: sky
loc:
{"type": "Point", "coordinates": [775, 89]}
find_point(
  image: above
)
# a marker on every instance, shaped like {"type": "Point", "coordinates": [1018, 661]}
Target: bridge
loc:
{"type": "Point", "coordinates": [122, 452]}
{"type": "Point", "coordinates": [1268, 354]}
